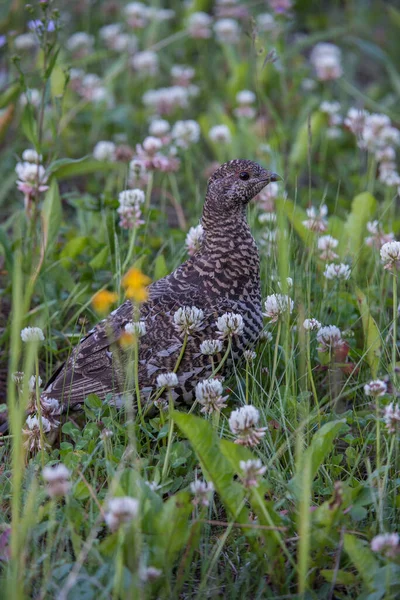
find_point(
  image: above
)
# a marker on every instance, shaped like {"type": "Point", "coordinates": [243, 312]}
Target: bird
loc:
{"type": "Point", "coordinates": [222, 276]}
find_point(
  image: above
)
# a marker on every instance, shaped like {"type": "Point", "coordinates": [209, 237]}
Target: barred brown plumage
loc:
{"type": "Point", "coordinates": [221, 277]}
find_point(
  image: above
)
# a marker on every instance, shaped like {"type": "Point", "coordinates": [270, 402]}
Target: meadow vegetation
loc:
{"type": "Point", "coordinates": [283, 480]}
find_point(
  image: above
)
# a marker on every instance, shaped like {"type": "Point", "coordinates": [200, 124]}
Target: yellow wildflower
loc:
{"type": "Point", "coordinates": [102, 301]}
{"type": "Point", "coordinates": [126, 340]}
{"type": "Point", "coordinates": [135, 283]}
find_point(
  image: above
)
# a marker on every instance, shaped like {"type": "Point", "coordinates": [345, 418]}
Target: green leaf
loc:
{"type": "Point", "coordinates": [51, 214]}
{"type": "Point", "coordinates": [339, 576]}
{"type": "Point", "coordinates": [214, 464]}
{"type": "Point", "coordinates": [372, 337]}
{"type": "Point", "coordinates": [10, 94]}
{"type": "Point", "coordinates": [172, 530]}
{"type": "Point", "coordinates": [29, 125]}
{"type": "Point", "coordinates": [361, 557]}
{"type": "Point", "coordinates": [296, 216]}
{"type": "Point", "coordinates": [68, 167]}
{"type": "Point", "coordinates": [81, 491]}
{"type": "Point", "coordinates": [100, 260]}
{"type": "Point", "coordinates": [7, 250]}
{"type": "Point", "coordinates": [72, 249]}
{"type": "Point", "coordinates": [160, 267]}
{"type": "Point", "coordinates": [363, 208]}
{"type": "Point", "coordinates": [308, 135]}
{"type": "Point", "coordinates": [321, 445]}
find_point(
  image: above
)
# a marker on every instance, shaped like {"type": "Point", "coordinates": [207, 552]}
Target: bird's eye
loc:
{"type": "Point", "coordinates": [244, 175]}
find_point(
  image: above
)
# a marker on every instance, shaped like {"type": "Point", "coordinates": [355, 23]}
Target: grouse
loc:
{"type": "Point", "coordinates": [221, 277]}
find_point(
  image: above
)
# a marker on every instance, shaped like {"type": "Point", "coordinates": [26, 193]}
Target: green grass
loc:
{"type": "Point", "coordinates": [332, 465]}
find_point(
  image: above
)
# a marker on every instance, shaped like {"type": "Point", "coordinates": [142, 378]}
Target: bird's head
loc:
{"type": "Point", "coordinates": [236, 182]}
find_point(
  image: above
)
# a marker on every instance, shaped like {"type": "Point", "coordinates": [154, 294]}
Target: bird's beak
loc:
{"type": "Point", "coordinates": [270, 176]}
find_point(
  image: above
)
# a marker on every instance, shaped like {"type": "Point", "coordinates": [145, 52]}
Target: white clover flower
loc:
{"type": "Point", "coordinates": [32, 433]}
{"type": "Point", "coordinates": [32, 383]}
{"type": "Point", "coordinates": [57, 479]}
{"type": "Point", "coordinates": [136, 328]}
{"type": "Point", "coordinates": [326, 60]}
{"type": "Point", "coordinates": [266, 336]}
{"type": "Point", "coordinates": [50, 407]}
{"type": "Point", "coordinates": [194, 239]}
{"type": "Point", "coordinates": [137, 14]}
{"type": "Point", "coordinates": [152, 144]}
{"type": "Point", "coordinates": [355, 120]}
{"type": "Point", "coordinates": [391, 417]}
{"type": "Point", "coordinates": [311, 324]}
{"type": "Point", "coordinates": [289, 283]}
{"type": "Point", "coordinates": [276, 306]}
{"type": "Point", "coordinates": [390, 255]}
{"type": "Point", "coordinates": [329, 338]}
{"type": "Point", "coordinates": [104, 151]}
{"type": "Point", "coordinates": [182, 74]}
{"type": "Point", "coordinates": [220, 134]}
{"type": "Point", "coordinates": [167, 380]}
{"type": "Point", "coordinates": [267, 217]}
{"type": "Point", "coordinates": [211, 347]}
{"type": "Point", "coordinates": [199, 24]}
{"type": "Point", "coordinates": [227, 31]}
{"type": "Point", "coordinates": [251, 470]}
{"type": "Point", "coordinates": [129, 209]}
{"type": "Point", "coordinates": [340, 271]}
{"type": "Point", "coordinates": [32, 156]}
{"type": "Point", "coordinates": [388, 174]}
{"type": "Point", "coordinates": [147, 574]}
{"type": "Point", "coordinates": [243, 424]}
{"type": "Point", "coordinates": [159, 128]}
{"type": "Point", "coordinates": [249, 355]}
{"type": "Point", "coordinates": [378, 237]}
{"type": "Point", "coordinates": [186, 133]}
{"type": "Point", "coordinates": [166, 100]}
{"type": "Point", "coordinates": [386, 543]}
{"type": "Point", "coordinates": [137, 172]}
{"type": "Point", "coordinates": [188, 319]}
{"type": "Point", "coordinates": [209, 395]}
{"type": "Point", "coordinates": [265, 22]}
{"type": "Point", "coordinates": [145, 63]}
{"type": "Point", "coordinates": [121, 510]}
{"type": "Point", "coordinates": [326, 244]}
{"type": "Point", "coordinates": [230, 324]}
{"type": "Point", "coordinates": [80, 41]}
{"type": "Point", "coordinates": [32, 97]}
{"type": "Point", "coordinates": [25, 41]}
{"type": "Point", "coordinates": [245, 97]}
{"type": "Point", "coordinates": [330, 108]}
{"type": "Point", "coordinates": [375, 388]}
{"type": "Point", "coordinates": [32, 334]}
{"type": "Point", "coordinates": [32, 175]}
{"type": "Point", "coordinates": [201, 492]}
{"type": "Point", "coordinates": [316, 218]}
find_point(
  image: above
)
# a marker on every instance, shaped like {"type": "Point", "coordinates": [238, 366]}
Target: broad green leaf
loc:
{"type": "Point", "coordinates": [51, 213]}
{"type": "Point", "coordinates": [363, 208]}
{"type": "Point", "coordinates": [81, 491]}
{"type": "Point", "coordinates": [341, 577]}
{"type": "Point", "coordinates": [160, 267]}
{"type": "Point", "coordinates": [57, 81]}
{"type": "Point", "coordinates": [372, 338]}
{"type": "Point", "coordinates": [29, 125]}
{"type": "Point", "coordinates": [321, 445]}
{"type": "Point", "coordinates": [10, 94]}
{"type": "Point", "coordinates": [72, 249]}
{"type": "Point", "coordinates": [308, 134]}
{"type": "Point", "coordinates": [67, 167]}
{"type": "Point", "coordinates": [361, 557]}
{"type": "Point", "coordinates": [100, 260]}
{"type": "Point", "coordinates": [214, 464]}
{"type": "Point", "coordinates": [172, 527]}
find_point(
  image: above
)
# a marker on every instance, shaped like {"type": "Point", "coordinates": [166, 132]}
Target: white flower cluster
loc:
{"type": "Point", "coordinates": [201, 492]}
{"type": "Point", "coordinates": [145, 63]}
{"type": "Point", "coordinates": [386, 543]}
{"type": "Point", "coordinates": [188, 319]}
{"type": "Point", "coordinates": [326, 60]}
{"type": "Point", "coordinates": [57, 479]}
{"type": "Point", "coordinates": [159, 128]}
{"type": "Point", "coordinates": [90, 87]}
{"type": "Point", "coordinates": [185, 133]}
{"type": "Point", "coordinates": [338, 272]}
{"type": "Point", "coordinates": [390, 255]}
{"type": "Point", "coordinates": [245, 108]}
{"type": "Point", "coordinates": [391, 417]}
{"type": "Point", "coordinates": [121, 510]}
{"type": "Point", "coordinates": [227, 31]}
{"type": "Point", "coordinates": [105, 151]}
{"type": "Point", "coordinates": [243, 424]}
{"type": "Point", "coordinates": [32, 334]}
{"type": "Point", "coordinates": [80, 44]}
{"type": "Point", "coordinates": [182, 75]}
{"type": "Point", "coordinates": [115, 39]}
{"type": "Point", "coordinates": [220, 134]}
{"type": "Point", "coordinates": [209, 393]}
{"type": "Point", "coordinates": [136, 328]}
{"type": "Point", "coordinates": [129, 210]}
{"type": "Point", "coordinates": [332, 110]}
{"type": "Point", "coordinates": [194, 239]}
{"type": "Point", "coordinates": [329, 338]}
{"type": "Point", "coordinates": [311, 325]}
{"type": "Point", "coordinates": [326, 245]}
{"type": "Point", "coordinates": [164, 101]}
{"type": "Point", "coordinates": [32, 433]}
{"type": "Point", "coordinates": [277, 306]}
{"type": "Point", "coordinates": [230, 324]}
{"type": "Point", "coordinates": [211, 347]}
{"type": "Point", "coordinates": [167, 380]}
{"type": "Point", "coordinates": [316, 218]}
{"type": "Point", "coordinates": [375, 388]}
{"type": "Point", "coordinates": [199, 25]}
{"type": "Point", "coordinates": [378, 237]}
{"type": "Point", "coordinates": [138, 15]}
{"type": "Point", "coordinates": [251, 470]}
{"type": "Point", "coordinates": [32, 178]}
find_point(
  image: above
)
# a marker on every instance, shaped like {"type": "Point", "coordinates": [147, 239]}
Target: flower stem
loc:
{"type": "Point", "coordinates": [170, 438]}
{"type": "Point", "coordinates": [224, 359]}
{"type": "Point", "coordinates": [275, 362]}
{"type": "Point", "coordinates": [395, 311]}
